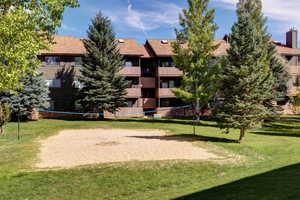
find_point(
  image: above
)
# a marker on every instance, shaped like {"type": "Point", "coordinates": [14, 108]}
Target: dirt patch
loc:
{"type": "Point", "coordinates": [80, 147]}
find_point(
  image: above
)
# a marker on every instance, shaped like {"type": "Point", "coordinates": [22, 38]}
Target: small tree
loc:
{"type": "Point", "coordinates": [34, 95]}
{"type": "Point", "coordinates": [4, 115]}
{"type": "Point", "coordinates": [248, 81]}
{"type": "Point", "coordinates": [104, 88]}
{"type": "Point", "coordinates": [194, 51]}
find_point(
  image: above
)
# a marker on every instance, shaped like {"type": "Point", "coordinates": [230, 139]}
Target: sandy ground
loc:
{"type": "Point", "coordinates": [80, 147]}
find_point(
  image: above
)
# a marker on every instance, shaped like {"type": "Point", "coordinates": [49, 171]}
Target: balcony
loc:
{"type": "Point", "coordinates": [149, 103]}
{"type": "Point", "coordinates": [169, 72]}
{"type": "Point", "coordinates": [166, 93]}
{"type": "Point", "coordinates": [148, 82]}
{"type": "Point", "coordinates": [131, 71]}
{"type": "Point", "coordinates": [293, 69]}
{"type": "Point", "coordinates": [134, 92]}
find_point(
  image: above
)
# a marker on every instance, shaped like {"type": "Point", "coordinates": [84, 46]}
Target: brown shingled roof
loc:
{"type": "Point", "coordinates": [66, 45]}
{"type": "Point", "coordinates": [162, 49]}
{"type": "Point", "coordinates": [131, 47]}
{"type": "Point", "coordinates": [223, 46]}
{"type": "Point", "coordinates": [287, 51]}
{"type": "Point", "coordinates": [74, 45]}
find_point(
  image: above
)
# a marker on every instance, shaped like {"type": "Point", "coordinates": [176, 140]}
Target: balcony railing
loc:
{"type": "Point", "coordinates": [131, 71]}
{"type": "Point", "coordinates": [149, 103]}
{"type": "Point", "coordinates": [169, 72]}
{"type": "Point", "coordinates": [166, 93]}
{"type": "Point", "coordinates": [148, 82]}
{"type": "Point", "coordinates": [134, 93]}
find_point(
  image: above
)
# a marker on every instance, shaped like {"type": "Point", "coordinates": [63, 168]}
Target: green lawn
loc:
{"type": "Point", "coordinates": [269, 168]}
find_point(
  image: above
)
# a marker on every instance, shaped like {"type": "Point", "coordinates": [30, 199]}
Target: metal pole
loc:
{"type": "Point", "coordinates": [194, 125]}
{"type": "Point", "coordinates": [19, 124]}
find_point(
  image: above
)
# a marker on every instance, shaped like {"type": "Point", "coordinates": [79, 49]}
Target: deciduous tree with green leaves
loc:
{"type": "Point", "coordinates": [194, 55]}
{"type": "Point", "coordinates": [248, 81]}
{"type": "Point", "coordinates": [104, 88]}
{"type": "Point", "coordinates": [26, 28]}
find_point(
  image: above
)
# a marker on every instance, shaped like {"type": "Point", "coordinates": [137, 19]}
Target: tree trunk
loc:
{"type": "Point", "coordinates": [198, 110]}
{"type": "Point", "coordinates": [197, 116]}
{"type": "Point", "coordinates": [242, 134]}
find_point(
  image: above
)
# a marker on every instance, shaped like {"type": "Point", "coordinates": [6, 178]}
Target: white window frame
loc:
{"type": "Point", "coordinates": [53, 83]}
{"type": "Point", "coordinates": [56, 63]}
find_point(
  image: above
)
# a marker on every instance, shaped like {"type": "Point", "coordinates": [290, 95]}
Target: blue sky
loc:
{"type": "Point", "coordinates": [143, 19]}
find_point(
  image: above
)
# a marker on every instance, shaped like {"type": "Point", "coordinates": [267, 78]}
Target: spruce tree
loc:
{"type": "Point", "coordinates": [33, 95]}
{"type": "Point", "coordinates": [194, 52]}
{"type": "Point", "coordinates": [247, 81]}
{"type": "Point", "coordinates": [104, 89]}
{"type": "Point", "coordinates": [254, 8]}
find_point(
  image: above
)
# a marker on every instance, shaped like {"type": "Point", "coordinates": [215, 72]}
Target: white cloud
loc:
{"type": "Point", "coordinates": [157, 15]}
{"type": "Point", "coordinates": [286, 11]}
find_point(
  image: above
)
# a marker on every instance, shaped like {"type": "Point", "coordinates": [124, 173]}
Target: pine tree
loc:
{"type": "Point", "coordinates": [34, 95]}
{"type": "Point", "coordinates": [254, 8]}
{"type": "Point", "coordinates": [247, 81]}
{"type": "Point", "coordinates": [194, 51]}
{"type": "Point", "coordinates": [104, 89]}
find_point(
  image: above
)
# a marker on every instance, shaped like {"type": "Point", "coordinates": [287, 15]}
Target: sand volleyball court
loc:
{"type": "Point", "coordinates": [81, 147]}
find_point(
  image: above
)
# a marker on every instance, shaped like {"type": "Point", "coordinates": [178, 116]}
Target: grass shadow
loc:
{"type": "Point", "coordinates": [284, 129]}
{"type": "Point", "coordinates": [280, 184]}
{"type": "Point", "coordinates": [188, 138]}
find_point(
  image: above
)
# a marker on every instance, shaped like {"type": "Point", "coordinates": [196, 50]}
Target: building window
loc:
{"type": "Point", "coordinates": [128, 64]}
{"type": "Point", "coordinates": [131, 62]}
{"type": "Point", "coordinates": [78, 61]}
{"type": "Point", "coordinates": [283, 101]}
{"type": "Point", "coordinates": [134, 82]}
{"type": "Point", "coordinates": [132, 103]}
{"type": "Point", "coordinates": [170, 102]}
{"type": "Point", "coordinates": [167, 63]}
{"type": "Point", "coordinates": [52, 60]}
{"type": "Point", "coordinates": [54, 83]}
{"type": "Point", "coordinates": [169, 83]}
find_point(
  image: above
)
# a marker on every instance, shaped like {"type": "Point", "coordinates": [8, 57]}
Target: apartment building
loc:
{"type": "Point", "coordinates": [149, 68]}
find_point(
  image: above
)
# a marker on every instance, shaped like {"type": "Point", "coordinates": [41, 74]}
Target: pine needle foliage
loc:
{"type": "Point", "coordinates": [104, 89]}
{"type": "Point", "coordinates": [34, 95]}
{"type": "Point", "coordinates": [249, 81]}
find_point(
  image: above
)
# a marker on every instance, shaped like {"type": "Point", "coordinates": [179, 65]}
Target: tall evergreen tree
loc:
{"type": "Point", "coordinates": [34, 95]}
{"type": "Point", "coordinates": [103, 86]}
{"type": "Point", "coordinates": [247, 81]}
{"type": "Point", "coordinates": [194, 51]}
{"type": "Point", "coordinates": [254, 8]}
